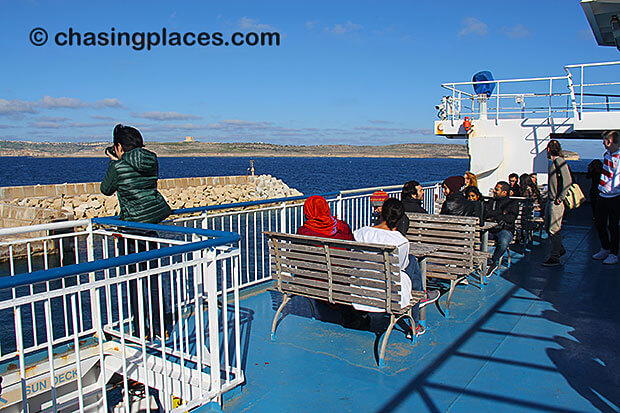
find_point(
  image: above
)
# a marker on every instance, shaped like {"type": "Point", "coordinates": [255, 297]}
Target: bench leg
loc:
{"type": "Point", "coordinates": [285, 299]}
{"type": "Point", "coordinates": [311, 302]}
{"type": "Point", "coordinates": [414, 337]}
{"type": "Point", "coordinates": [453, 284]}
{"type": "Point", "coordinates": [386, 337]}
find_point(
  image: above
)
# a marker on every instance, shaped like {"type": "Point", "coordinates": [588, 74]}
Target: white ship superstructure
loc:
{"type": "Point", "coordinates": [507, 130]}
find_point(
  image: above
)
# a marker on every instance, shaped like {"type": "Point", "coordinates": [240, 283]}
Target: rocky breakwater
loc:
{"type": "Point", "coordinates": [98, 205]}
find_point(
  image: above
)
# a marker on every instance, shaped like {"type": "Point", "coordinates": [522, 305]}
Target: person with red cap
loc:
{"type": "Point", "coordinates": [376, 203]}
{"type": "Point", "coordinates": [455, 202]}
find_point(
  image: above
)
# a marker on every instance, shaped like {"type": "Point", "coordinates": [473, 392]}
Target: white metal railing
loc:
{"type": "Point", "coordinates": [251, 219]}
{"type": "Point", "coordinates": [594, 95]}
{"type": "Point", "coordinates": [542, 97]}
{"type": "Point", "coordinates": [100, 298]}
{"type": "Point", "coordinates": [97, 289]}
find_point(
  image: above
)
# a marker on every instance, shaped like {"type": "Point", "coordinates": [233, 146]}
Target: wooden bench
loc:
{"type": "Point", "coordinates": [454, 238]}
{"type": "Point", "coordinates": [339, 272]}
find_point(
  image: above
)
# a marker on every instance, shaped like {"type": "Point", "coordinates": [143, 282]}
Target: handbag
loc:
{"type": "Point", "coordinates": [574, 197]}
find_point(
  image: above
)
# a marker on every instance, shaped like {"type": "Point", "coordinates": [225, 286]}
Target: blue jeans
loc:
{"type": "Point", "coordinates": [502, 240]}
{"type": "Point", "coordinates": [415, 274]}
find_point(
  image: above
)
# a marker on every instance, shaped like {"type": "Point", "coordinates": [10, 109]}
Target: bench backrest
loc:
{"type": "Point", "coordinates": [454, 236]}
{"type": "Point", "coordinates": [342, 272]}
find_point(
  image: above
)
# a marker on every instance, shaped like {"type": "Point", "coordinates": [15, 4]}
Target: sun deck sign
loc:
{"type": "Point", "coordinates": [32, 389]}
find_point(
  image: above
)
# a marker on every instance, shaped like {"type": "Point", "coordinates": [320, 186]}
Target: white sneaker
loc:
{"type": "Point", "coordinates": [601, 255]}
{"type": "Point", "coordinates": [611, 259]}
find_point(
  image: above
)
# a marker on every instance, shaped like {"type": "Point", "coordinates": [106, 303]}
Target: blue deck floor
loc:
{"type": "Point", "coordinates": [535, 339]}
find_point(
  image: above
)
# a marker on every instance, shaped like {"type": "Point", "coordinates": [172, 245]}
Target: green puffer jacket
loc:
{"type": "Point", "coordinates": [134, 176]}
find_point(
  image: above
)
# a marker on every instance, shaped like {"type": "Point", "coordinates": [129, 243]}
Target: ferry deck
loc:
{"type": "Point", "coordinates": [533, 339]}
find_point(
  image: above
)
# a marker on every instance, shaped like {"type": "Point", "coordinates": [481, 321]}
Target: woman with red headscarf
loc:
{"type": "Point", "coordinates": [320, 222]}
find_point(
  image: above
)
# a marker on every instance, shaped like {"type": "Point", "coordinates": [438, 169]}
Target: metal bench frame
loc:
{"type": "Point", "coordinates": [454, 236]}
{"type": "Point", "coordinates": [339, 272]}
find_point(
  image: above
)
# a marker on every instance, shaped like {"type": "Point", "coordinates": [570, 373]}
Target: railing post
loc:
{"type": "Point", "coordinates": [90, 255]}
{"type": "Point", "coordinates": [283, 217]}
{"type": "Point", "coordinates": [213, 318]}
{"type": "Point", "coordinates": [339, 206]}
{"type": "Point", "coordinates": [204, 224]}
{"type": "Point", "coordinates": [550, 95]}
{"type": "Point", "coordinates": [571, 88]}
{"type": "Point", "coordinates": [581, 89]}
{"type": "Point", "coordinates": [497, 108]}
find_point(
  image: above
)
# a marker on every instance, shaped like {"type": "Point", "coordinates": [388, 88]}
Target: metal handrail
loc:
{"type": "Point", "coordinates": [221, 238]}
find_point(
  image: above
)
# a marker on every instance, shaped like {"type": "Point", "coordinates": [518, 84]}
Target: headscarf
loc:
{"type": "Point", "coordinates": [454, 183]}
{"type": "Point", "coordinates": [318, 216]}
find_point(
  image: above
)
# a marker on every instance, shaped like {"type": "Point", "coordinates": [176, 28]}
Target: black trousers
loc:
{"type": "Point", "coordinates": [606, 218]}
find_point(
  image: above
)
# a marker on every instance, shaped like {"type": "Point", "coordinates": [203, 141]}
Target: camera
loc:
{"type": "Point", "coordinates": [110, 151]}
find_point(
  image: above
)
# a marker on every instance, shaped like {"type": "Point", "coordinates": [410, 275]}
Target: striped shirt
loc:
{"type": "Point", "coordinates": [609, 186]}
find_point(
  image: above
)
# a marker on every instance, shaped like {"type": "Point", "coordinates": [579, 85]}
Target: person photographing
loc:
{"type": "Point", "coordinates": [132, 174]}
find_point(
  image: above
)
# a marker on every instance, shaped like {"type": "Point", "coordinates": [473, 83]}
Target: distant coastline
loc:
{"type": "Point", "coordinates": [241, 149]}
{"type": "Point", "coordinates": [204, 149]}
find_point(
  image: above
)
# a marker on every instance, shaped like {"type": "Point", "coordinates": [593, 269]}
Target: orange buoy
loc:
{"type": "Point", "coordinates": [467, 124]}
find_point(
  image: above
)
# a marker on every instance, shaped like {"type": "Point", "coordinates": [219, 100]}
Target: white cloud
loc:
{"type": "Point", "coordinates": [109, 103]}
{"type": "Point", "coordinates": [45, 125]}
{"type": "Point", "coordinates": [53, 118]}
{"type": "Point", "coordinates": [156, 115]}
{"type": "Point", "coordinates": [61, 102]}
{"type": "Point", "coordinates": [471, 25]}
{"type": "Point", "coordinates": [344, 28]}
{"type": "Point", "coordinates": [16, 107]}
{"type": "Point", "coordinates": [516, 32]}
{"type": "Point", "coordinates": [103, 117]}
{"type": "Point", "coordinates": [245, 23]}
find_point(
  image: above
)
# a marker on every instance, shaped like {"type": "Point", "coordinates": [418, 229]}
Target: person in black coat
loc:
{"type": "Point", "coordinates": [515, 189]}
{"type": "Point", "coordinates": [455, 202]}
{"type": "Point", "coordinates": [504, 211]}
{"type": "Point", "coordinates": [411, 196]}
{"type": "Point", "coordinates": [595, 169]}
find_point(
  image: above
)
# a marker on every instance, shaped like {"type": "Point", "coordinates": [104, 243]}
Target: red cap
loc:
{"type": "Point", "coordinates": [378, 198]}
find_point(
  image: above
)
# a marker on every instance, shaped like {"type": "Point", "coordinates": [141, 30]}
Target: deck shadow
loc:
{"type": "Point", "coordinates": [586, 307]}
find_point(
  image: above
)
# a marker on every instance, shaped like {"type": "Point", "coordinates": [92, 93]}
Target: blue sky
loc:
{"type": "Point", "coordinates": [353, 72]}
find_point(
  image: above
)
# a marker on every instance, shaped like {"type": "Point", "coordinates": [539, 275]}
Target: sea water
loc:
{"type": "Point", "coordinates": [309, 175]}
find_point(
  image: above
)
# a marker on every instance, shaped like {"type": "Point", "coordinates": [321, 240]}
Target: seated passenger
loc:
{"type": "Point", "coordinates": [376, 201]}
{"type": "Point", "coordinates": [504, 211]}
{"type": "Point", "coordinates": [470, 180]}
{"type": "Point", "coordinates": [320, 222]}
{"type": "Point", "coordinates": [385, 233]}
{"type": "Point", "coordinates": [530, 190]}
{"type": "Point", "coordinates": [515, 190]}
{"type": "Point", "coordinates": [473, 194]}
{"type": "Point", "coordinates": [411, 196]}
{"type": "Point", "coordinates": [455, 202]}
